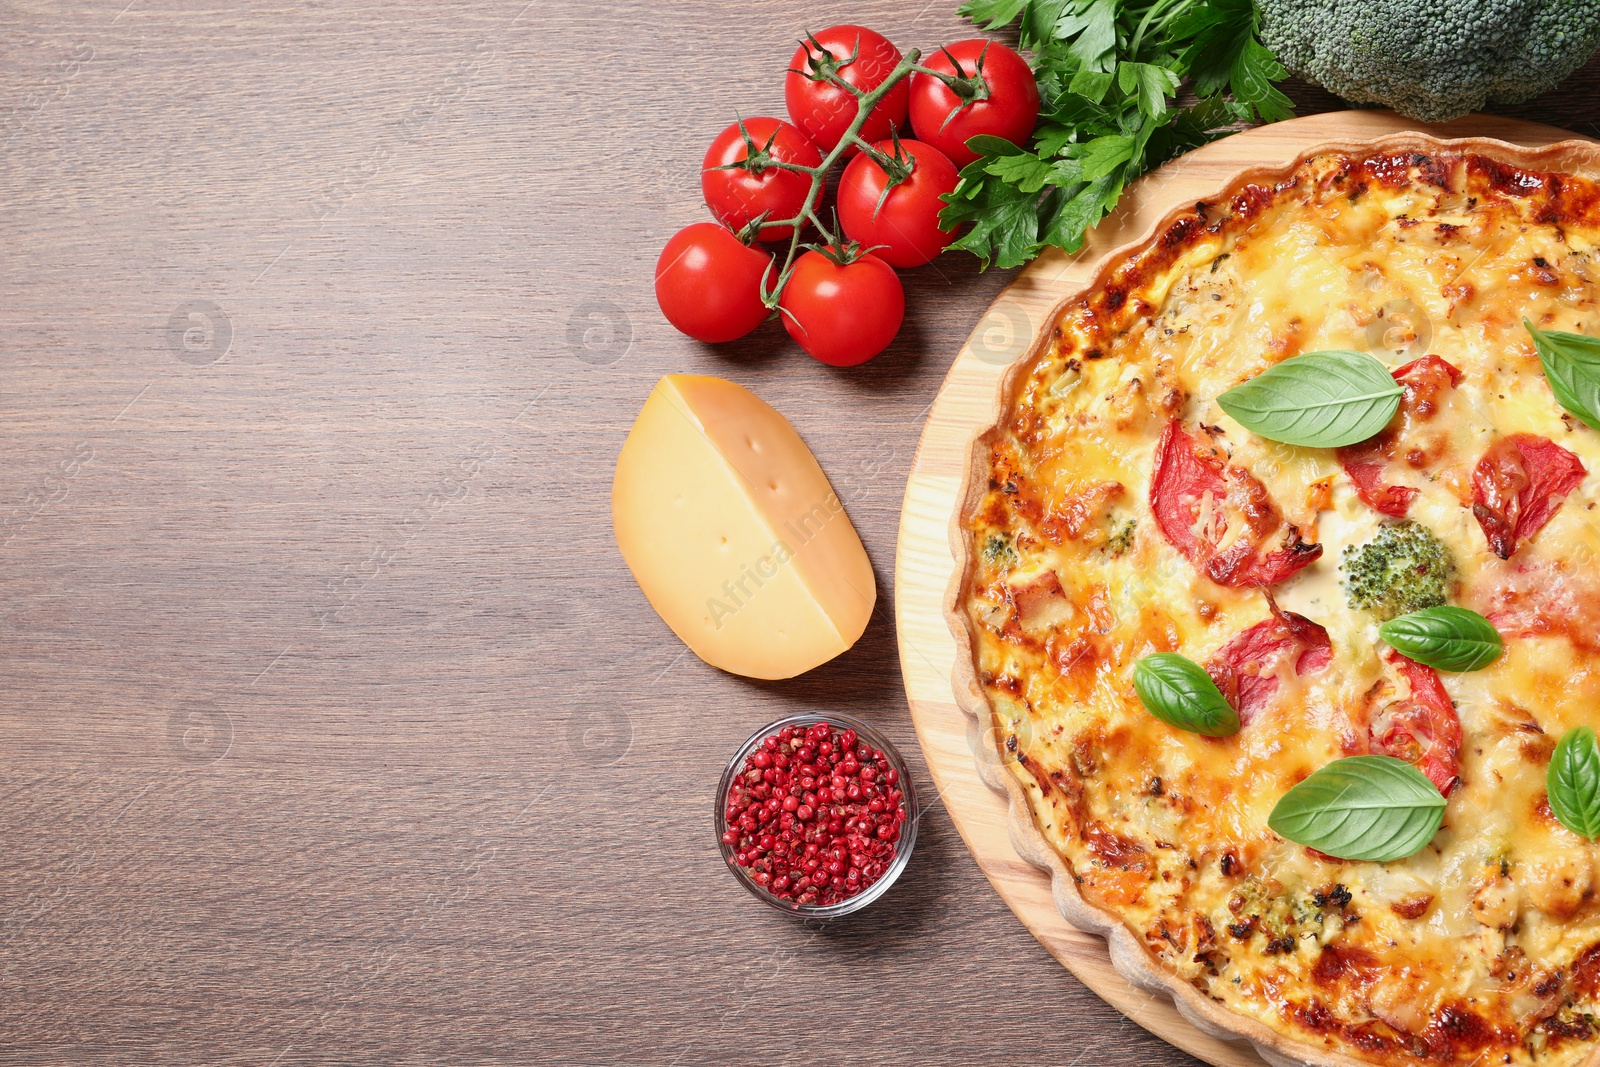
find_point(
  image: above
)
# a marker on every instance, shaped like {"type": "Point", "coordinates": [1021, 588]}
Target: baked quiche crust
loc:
{"type": "Point", "coordinates": [1485, 947]}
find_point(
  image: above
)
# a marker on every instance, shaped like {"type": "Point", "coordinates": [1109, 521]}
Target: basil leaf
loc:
{"type": "Point", "coordinates": [1574, 782]}
{"type": "Point", "coordinates": [1571, 364]}
{"type": "Point", "coordinates": [1180, 693]}
{"type": "Point", "coordinates": [1362, 808]}
{"type": "Point", "coordinates": [1316, 400]}
{"type": "Point", "coordinates": [1449, 638]}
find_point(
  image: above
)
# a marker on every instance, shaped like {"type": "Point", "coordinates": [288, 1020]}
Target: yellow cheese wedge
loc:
{"type": "Point", "coordinates": [734, 534]}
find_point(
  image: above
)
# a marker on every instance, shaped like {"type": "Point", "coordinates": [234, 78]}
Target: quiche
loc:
{"type": "Point", "coordinates": [1116, 511]}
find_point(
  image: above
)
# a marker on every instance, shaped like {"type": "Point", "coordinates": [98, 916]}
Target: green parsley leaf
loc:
{"type": "Point", "coordinates": [1005, 219]}
{"type": "Point", "coordinates": [1109, 74]}
{"type": "Point", "coordinates": [1091, 84]}
{"type": "Point", "coordinates": [1093, 31]}
{"type": "Point", "coordinates": [1024, 170]}
{"type": "Point", "coordinates": [992, 14]}
{"type": "Point", "coordinates": [1251, 77]}
{"type": "Point", "coordinates": [1103, 155]}
{"type": "Point", "coordinates": [1077, 210]}
{"type": "Point", "coordinates": [1152, 85]}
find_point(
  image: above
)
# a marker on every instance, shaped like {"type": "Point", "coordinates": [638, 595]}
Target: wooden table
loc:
{"type": "Point", "coordinates": [332, 728]}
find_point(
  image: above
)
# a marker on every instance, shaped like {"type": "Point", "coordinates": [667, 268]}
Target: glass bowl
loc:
{"type": "Point", "coordinates": [903, 847]}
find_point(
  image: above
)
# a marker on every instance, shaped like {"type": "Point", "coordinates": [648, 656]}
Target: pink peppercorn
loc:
{"type": "Point", "coordinates": [814, 815]}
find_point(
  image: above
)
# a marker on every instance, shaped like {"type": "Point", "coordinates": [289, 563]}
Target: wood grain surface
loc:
{"type": "Point", "coordinates": [956, 738]}
{"type": "Point", "coordinates": [332, 728]}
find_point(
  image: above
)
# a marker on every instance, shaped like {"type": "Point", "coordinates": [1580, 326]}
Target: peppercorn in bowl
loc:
{"type": "Point", "coordinates": [816, 815]}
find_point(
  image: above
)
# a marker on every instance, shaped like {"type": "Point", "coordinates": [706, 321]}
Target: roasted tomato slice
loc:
{"type": "Point", "coordinates": [1425, 381]}
{"type": "Point", "coordinates": [1366, 468]}
{"type": "Point", "coordinates": [1537, 597]}
{"type": "Point", "coordinates": [1421, 728]}
{"type": "Point", "coordinates": [1248, 668]}
{"type": "Point", "coordinates": [1518, 484]}
{"type": "Point", "coordinates": [1180, 485]}
{"type": "Point", "coordinates": [1195, 495]}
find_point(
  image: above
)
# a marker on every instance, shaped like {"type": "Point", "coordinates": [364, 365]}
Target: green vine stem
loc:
{"type": "Point", "coordinates": [866, 100]}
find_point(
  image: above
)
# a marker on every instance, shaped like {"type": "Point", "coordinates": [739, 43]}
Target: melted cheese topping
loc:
{"type": "Point", "coordinates": [1484, 947]}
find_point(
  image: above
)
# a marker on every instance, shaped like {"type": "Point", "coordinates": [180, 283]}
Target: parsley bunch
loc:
{"type": "Point", "coordinates": [1109, 73]}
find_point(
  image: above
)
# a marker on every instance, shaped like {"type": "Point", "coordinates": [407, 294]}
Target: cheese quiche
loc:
{"type": "Point", "coordinates": [1116, 511]}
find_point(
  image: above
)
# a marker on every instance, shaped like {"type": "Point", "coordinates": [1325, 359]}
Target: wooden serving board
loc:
{"type": "Point", "coordinates": [924, 566]}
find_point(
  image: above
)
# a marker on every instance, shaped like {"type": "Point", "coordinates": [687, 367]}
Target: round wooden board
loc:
{"type": "Point", "coordinates": [924, 565]}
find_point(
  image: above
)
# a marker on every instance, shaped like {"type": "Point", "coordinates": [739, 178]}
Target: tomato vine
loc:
{"type": "Point", "coordinates": [758, 159]}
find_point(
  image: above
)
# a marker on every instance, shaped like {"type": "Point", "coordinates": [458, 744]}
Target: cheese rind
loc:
{"type": "Point", "coordinates": [734, 533]}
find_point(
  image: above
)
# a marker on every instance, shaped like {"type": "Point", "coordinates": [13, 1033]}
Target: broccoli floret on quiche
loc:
{"type": "Point", "coordinates": [1121, 538]}
{"type": "Point", "coordinates": [1429, 60]}
{"type": "Point", "coordinates": [1404, 568]}
{"type": "Point", "coordinates": [998, 552]}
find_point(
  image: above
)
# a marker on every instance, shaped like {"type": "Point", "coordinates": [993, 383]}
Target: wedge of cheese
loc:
{"type": "Point", "coordinates": [734, 534]}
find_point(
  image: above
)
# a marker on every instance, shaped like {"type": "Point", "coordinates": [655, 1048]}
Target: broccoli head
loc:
{"type": "Point", "coordinates": [1404, 568]}
{"type": "Point", "coordinates": [1432, 60]}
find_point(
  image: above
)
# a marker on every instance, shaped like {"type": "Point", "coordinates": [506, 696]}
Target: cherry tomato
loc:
{"type": "Point", "coordinates": [740, 182]}
{"type": "Point", "coordinates": [842, 315]}
{"type": "Point", "coordinates": [708, 283]}
{"type": "Point", "coordinates": [896, 212]}
{"type": "Point", "coordinates": [998, 96]}
{"type": "Point", "coordinates": [823, 109]}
